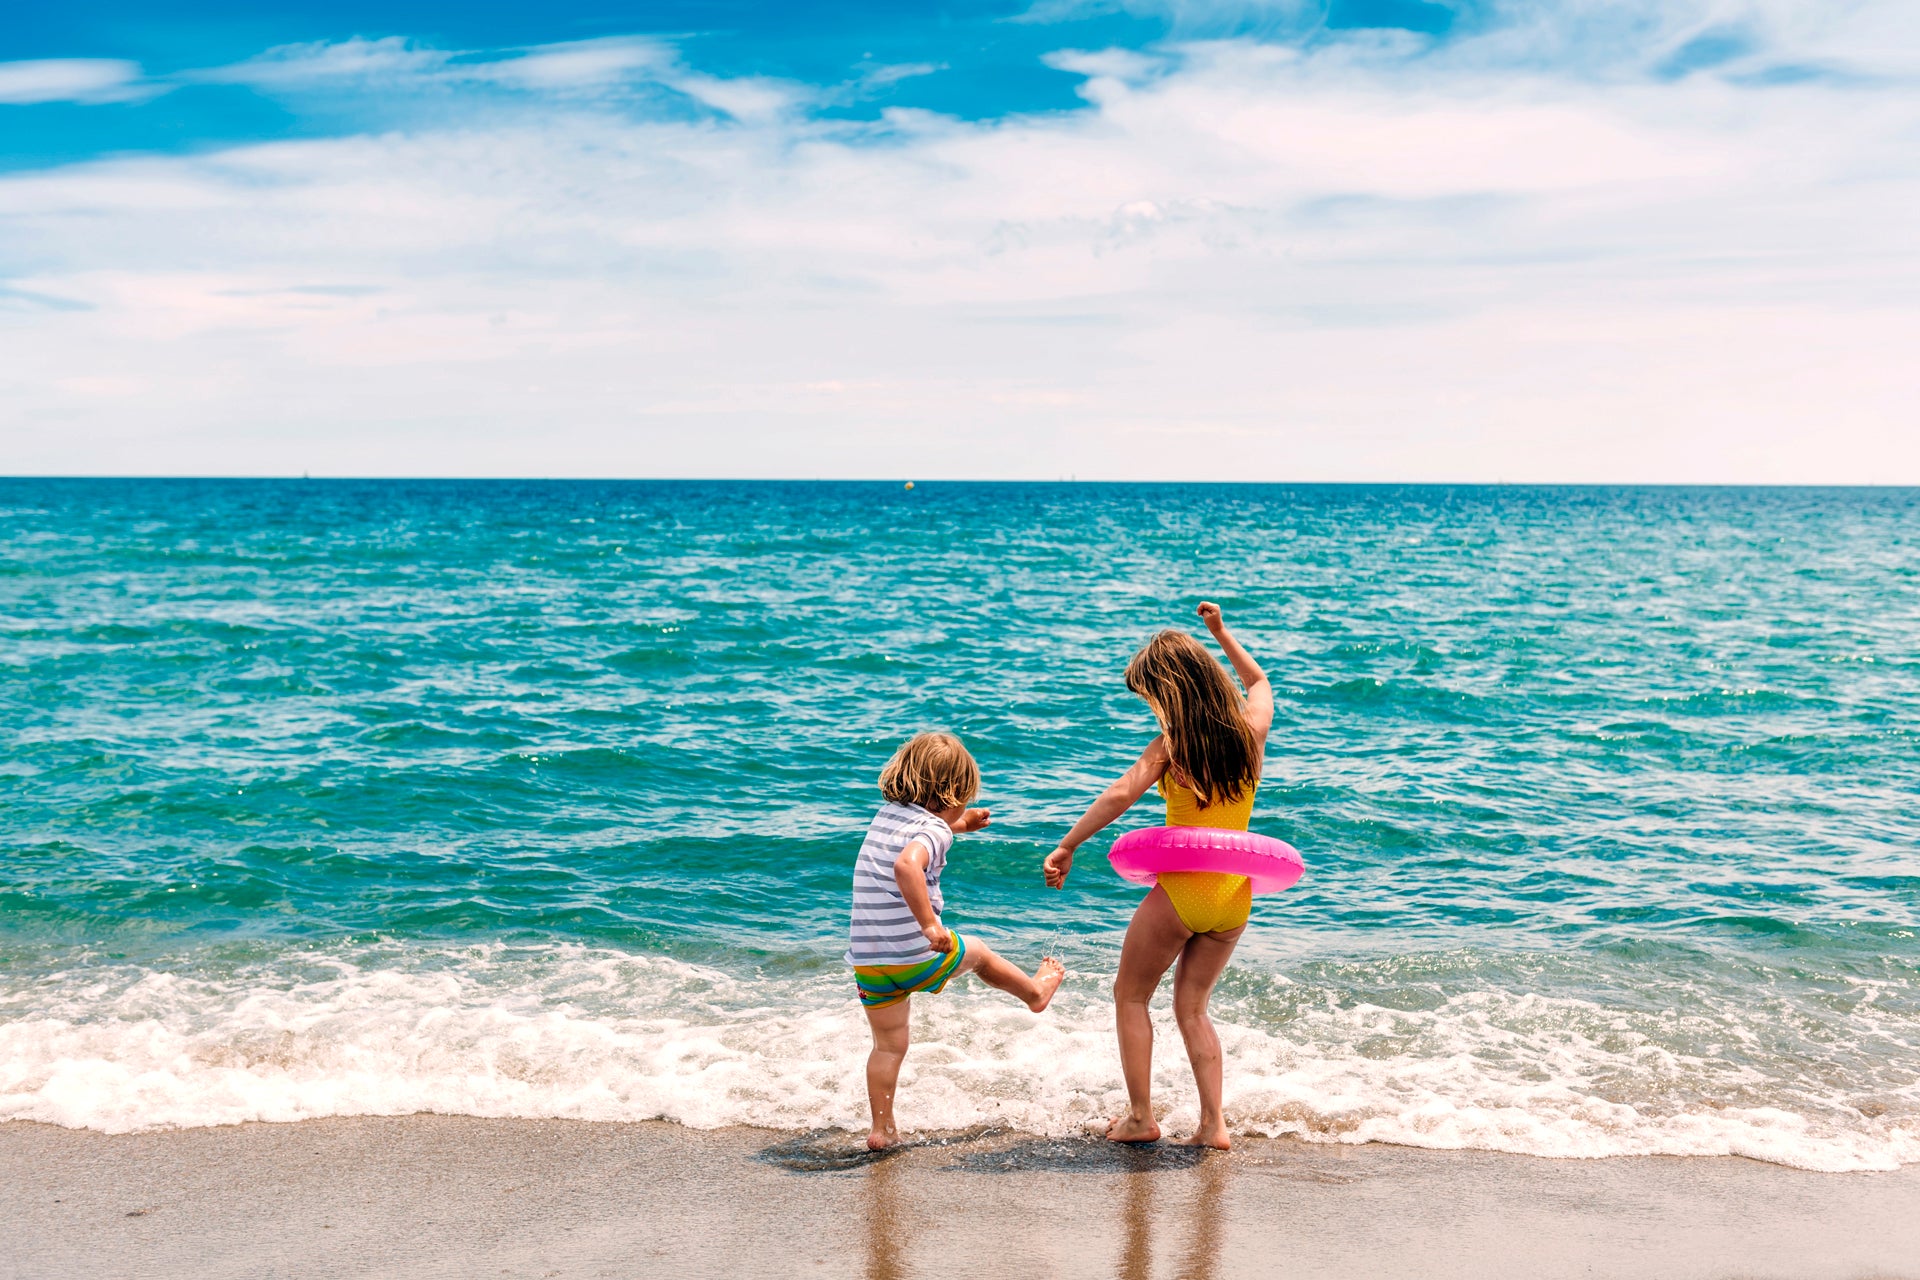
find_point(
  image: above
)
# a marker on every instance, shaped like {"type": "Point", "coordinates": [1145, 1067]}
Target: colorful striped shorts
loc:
{"type": "Point", "coordinates": [884, 984]}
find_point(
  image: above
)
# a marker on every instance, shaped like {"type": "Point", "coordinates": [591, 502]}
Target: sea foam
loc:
{"type": "Point", "coordinates": [568, 1032]}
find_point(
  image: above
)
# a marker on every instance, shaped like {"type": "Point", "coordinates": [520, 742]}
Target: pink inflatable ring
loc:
{"type": "Point", "coordinates": [1140, 856]}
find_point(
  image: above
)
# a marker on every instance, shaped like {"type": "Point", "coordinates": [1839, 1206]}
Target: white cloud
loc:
{"type": "Point", "coordinates": [373, 70]}
{"type": "Point", "coordinates": [1860, 37]}
{"type": "Point", "coordinates": [1252, 263]}
{"type": "Point", "coordinates": [1187, 15]}
{"type": "Point", "coordinates": [588, 62]}
{"type": "Point", "coordinates": [743, 98]}
{"type": "Point", "coordinates": [1123, 66]}
{"type": "Point", "coordinates": [894, 73]}
{"type": "Point", "coordinates": [324, 63]}
{"type": "Point", "coordinates": [70, 80]}
{"type": "Point", "coordinates": [1603, 37]}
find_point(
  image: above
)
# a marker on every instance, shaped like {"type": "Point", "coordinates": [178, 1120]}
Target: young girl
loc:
{"type": "Point", "coordinates": [899, 947]}
{"type": "Point", "coordinates": [1207, 762]}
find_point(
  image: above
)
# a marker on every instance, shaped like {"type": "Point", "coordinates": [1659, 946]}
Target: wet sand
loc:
{"type": "Point", "coordinates": [454, 1196]}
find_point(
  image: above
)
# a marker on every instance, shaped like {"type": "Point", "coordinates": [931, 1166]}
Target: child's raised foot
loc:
{"type": "Point", "coordinates": [1048, 978]}
{"type": "Point", "coordinates": [1216, 1137]}
{"type": "Point", "coordinates": [1129, 1129]}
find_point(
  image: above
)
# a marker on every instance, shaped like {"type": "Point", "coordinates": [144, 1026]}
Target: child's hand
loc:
{"type": "Point", "coordinates": [971, 820]}
{"type": "Point", "coordinates": [1056, 866]}
{"type": "Point", "coordinates": [1210, 614]}
{"type": "Point", "coordinates": [938, 938]}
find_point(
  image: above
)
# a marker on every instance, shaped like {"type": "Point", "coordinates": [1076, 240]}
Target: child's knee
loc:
{"type": "Point", "coordinates": [979, 956]}
{"type": "Point", "coordinates": [1190, 1014]}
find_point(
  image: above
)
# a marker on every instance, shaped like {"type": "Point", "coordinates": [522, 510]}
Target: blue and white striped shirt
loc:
{"type": "Point", "coordinates": [884, 930]}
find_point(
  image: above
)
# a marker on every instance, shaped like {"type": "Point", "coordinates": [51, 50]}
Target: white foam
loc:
{"type": "Point", "coordinates": [565, 1032]}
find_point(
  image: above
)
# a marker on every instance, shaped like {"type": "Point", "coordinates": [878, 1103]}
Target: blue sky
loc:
{"type": "Point", "coordinates": [990, 58]}
{"type": "Point", "coordinates": [1376, 239]}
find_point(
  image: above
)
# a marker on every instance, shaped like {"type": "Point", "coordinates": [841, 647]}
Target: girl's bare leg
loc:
{"type": "Point", "coordinates": [1035, 992]}
{"type": "Point", "coordinates": [889, 1025]}
{"type": "Point", "coordinates": [1153, 941]}
{"type": "Point", "coordinates": [1202, 961]}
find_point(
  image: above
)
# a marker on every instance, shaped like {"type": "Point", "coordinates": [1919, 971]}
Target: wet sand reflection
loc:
{"type": "Point", "coordinates": [1168, 1206]}
{"type": "Point", "coordinates": [1191, 1205]}
{"type": "Point", "coordinates": [886, 1227]}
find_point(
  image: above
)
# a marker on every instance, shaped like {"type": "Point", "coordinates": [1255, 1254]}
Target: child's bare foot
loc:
{"type": "Point", "coordinates": [882, 1138]}
{"type": "Point", "coordinates": [1130, 1129]}
{"type": "Point", "coordinates": [1214, 1136]}
{"type": "Point", "coordinates": [1048, 978]}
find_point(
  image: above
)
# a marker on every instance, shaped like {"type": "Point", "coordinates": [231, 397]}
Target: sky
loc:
{"type": "Point", "coordinates": [1603, 241]}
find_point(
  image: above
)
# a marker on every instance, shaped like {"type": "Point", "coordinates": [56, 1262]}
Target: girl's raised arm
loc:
{"type": "Point", "coordinates": [1113, 802]}
{"type": "Point", "coordinates": [1259, 691]}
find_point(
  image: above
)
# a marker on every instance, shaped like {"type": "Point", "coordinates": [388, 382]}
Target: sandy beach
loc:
{"type": "Point", "coordinates": [455, 1196]}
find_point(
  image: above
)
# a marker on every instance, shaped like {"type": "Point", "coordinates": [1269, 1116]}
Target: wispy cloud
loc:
{"type": "Point", "coordinates": [894, 73]}
{"type": "Point", "coordinates": [1654, 37]}
{"type": "Point", "coordinates": [395, 61]}
{"type": "Point", "coordinates": [1566, 37]}
{"type": "Point", "coordinates": [355, 62]}
{"type": "Point", "coordinates": [1328, 260]}
{"type": "Point", "coordinates": [84, 80]}
{"type": "Point", "coordinates": [394, 67]}
{"type": "Point", "coordinates": [1189, 16]}
{"type": "Point", "coordinates": [579, 64]}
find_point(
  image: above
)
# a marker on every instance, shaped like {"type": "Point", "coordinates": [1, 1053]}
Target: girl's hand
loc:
{"type": "Point", "coordinates": [971, 820]}
{"type": "Point", "coordinates": [1210, 614]}
{"type": "Point", "coordinates": [1056, 866]}
{"type": "Point", "coordinates": [938, 938]}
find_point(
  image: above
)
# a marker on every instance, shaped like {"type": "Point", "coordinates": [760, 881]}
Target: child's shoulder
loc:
{"type": "Point", "coordinates": [909, 820]}
{"type": "Point", "coordinates": [894, 813]}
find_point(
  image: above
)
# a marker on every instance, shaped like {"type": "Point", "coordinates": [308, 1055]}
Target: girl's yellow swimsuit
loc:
{"type": "Point", "coordinates": [1207, 901]}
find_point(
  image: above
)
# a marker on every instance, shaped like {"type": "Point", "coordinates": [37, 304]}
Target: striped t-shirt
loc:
{"type": "Point", "coordinates": [884, 930]}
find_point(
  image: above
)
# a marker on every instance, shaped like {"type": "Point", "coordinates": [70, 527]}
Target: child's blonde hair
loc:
{"type": "Point", "coordinates": [932, 770]}
{"type": "Point", "coordinates": [1215, 751]}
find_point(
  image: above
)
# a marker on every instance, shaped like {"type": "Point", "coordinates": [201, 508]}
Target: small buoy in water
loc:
{"type": "Point", "coordinates": [909, 484]}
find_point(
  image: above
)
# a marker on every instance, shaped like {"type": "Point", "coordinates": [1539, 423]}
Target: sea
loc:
{"type": "Point", "coordinates": [540, 799]}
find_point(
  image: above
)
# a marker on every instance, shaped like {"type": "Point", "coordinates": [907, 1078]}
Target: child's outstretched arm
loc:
{"type": "Point", "coordinates": [964, 820]}
{"type": "Point", "coordinates": [1259, 689]}
{"type": "Point", "coordinates": [910, 873]}
{"type": "Point", "coordinates": [1113, 802]}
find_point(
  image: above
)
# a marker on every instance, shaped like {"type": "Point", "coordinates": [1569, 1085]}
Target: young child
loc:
{"type": "Point", "coordinates": [1206, 760]}
{"type": "Point", "coordinates": [899, 945]}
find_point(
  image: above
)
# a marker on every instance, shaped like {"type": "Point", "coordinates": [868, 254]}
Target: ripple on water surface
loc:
{"type": "Point", "coordinates": [312, 789]}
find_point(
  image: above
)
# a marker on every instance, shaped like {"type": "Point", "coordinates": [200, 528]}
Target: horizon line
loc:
{"type": "Point", "coordinates": [904, 480]}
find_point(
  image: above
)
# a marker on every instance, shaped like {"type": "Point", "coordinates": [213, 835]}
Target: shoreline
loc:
{"type": "Point", "coordinates": [432, 1195]}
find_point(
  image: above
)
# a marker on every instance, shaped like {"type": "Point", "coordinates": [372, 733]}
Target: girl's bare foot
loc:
{"type": "Point", "coordinates": [1215, 1136]}
{"type": "Point", "coordinates": [881, 1139]}
{"type": "Point", "coordinates": [1130, 1129]}
{"type": "Point", "coordinates": [1048, 978]}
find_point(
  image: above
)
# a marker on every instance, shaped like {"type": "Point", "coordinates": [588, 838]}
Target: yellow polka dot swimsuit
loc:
{"type": "Point", "coordinates": [1207, 901]}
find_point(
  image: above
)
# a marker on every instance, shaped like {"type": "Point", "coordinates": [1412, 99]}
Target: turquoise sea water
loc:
{"type": "Point", "coordinates": [541, 799]}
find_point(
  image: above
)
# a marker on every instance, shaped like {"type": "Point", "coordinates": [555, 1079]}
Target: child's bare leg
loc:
{"type": "Point", "coordinates": [889, 1025]}
{"type": "Point", "coordinates": [1154, 938]}
{"type": "Point", "coordinates": [1201, 964]}
{"type": "Point", "coordinates": [1035, 992]}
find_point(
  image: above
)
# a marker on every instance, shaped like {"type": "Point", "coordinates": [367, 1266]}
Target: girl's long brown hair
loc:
{"type": "Point", "coordinates": [1213, 747]}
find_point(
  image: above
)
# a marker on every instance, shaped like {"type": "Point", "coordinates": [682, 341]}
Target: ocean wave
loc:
{"type": "Point", "coordinates": [570, 1032]}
